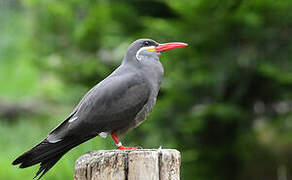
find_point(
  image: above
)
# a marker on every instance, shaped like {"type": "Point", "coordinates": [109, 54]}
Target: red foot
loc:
{"type": "Point", "coordinates": [124, 148]}
{"type": "Point", "coordinates": [119, 144]}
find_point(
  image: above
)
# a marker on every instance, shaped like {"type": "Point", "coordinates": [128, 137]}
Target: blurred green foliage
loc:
{"type": "Point", "coordinates": [225, 101]}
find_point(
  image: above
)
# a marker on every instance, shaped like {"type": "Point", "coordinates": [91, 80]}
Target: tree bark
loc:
{"type": "Point", "coordinates": [140, 164]}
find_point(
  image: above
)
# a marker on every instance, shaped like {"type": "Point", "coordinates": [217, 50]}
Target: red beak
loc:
{"type": "Point", "coordinates": [169, 46]}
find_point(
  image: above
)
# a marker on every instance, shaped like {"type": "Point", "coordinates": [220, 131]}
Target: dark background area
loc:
{"type": "Point", "coordinates": [225, 102]}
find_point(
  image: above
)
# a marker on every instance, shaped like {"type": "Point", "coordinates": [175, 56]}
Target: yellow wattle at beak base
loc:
{"type": "Point", "coordinates": [151, 49]}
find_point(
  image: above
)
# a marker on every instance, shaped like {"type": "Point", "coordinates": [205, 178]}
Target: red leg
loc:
{"type": "Point", "coordinates": [119, 144]}
{"type": "Point", "coordinates": [115, 138]}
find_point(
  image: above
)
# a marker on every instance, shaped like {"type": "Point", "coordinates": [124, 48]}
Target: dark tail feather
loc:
{"type": "Point", "coordinates": [47, 154]}
{"type": "Point", "coordinates": [47, 165]}
{"type": "Point", "coordinates": [41, 152]}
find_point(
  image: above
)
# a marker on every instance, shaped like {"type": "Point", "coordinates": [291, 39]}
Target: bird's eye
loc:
{"type": "Point", "coordinates": [146, 43]}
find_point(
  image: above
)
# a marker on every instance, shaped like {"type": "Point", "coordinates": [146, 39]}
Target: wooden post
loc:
{"type": "Point", "coordinates": [140, 164]}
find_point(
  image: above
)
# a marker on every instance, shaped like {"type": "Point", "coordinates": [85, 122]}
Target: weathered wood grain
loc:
{"type": "Point", "coordinates": [141, 164]}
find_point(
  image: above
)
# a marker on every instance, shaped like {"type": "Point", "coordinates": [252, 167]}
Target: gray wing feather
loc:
{"type": "Point", "coordinates": [111, 105]}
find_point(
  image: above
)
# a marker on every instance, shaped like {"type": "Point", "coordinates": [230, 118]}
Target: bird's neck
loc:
{"type": "Point", "coordinates": [151, 68]}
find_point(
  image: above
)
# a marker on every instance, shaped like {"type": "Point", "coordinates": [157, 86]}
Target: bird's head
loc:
{"type": "Point", "coordinates": [148, 48]}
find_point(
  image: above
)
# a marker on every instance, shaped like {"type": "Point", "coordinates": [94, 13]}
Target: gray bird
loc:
{"type": "Point", "coordinates": [117, 104]}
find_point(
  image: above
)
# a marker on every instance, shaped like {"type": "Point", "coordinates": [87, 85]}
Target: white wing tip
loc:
{"type": "Point", "coordinates": [103, 134]}
{"type": "Point", "coordinates": [54, 141]}
{"type": "Point", "coordinates": [72, 119]}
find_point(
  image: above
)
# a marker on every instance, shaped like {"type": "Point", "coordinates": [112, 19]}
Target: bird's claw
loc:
{"type": "Point", "coordinates": [125, 148]}
{"type": "Point", "coordinates": [128, 148]}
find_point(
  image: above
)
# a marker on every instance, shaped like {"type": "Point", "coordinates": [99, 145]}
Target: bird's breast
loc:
{"type": "Point", "coordinates": [146, 110]}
